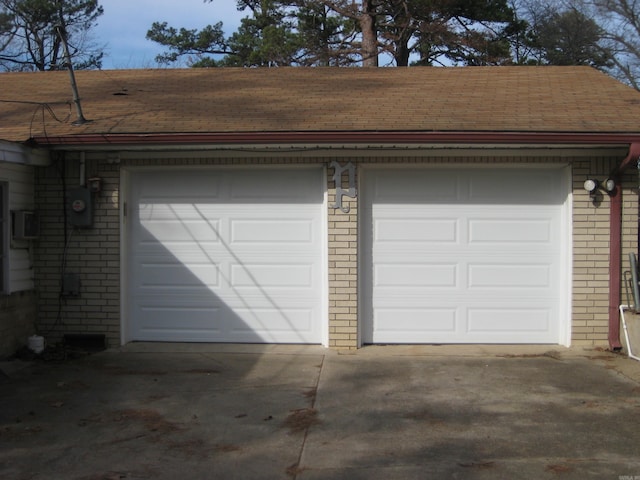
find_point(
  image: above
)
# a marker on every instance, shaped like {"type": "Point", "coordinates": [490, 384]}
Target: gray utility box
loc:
{"type": "Point", "coordinates": [70, 285]}
{"type": "Point", "coordinates": [79, 207]}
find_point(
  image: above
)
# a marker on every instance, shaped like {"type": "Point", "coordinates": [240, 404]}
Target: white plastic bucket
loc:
{"type": "Point", "coordinates": [36, 344]}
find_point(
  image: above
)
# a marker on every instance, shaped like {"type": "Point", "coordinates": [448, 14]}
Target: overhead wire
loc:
{"type": "Point", "coordinates": [41, 107]}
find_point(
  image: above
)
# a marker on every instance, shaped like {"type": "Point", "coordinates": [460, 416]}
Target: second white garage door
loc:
{"type": "Point", "coordinates": [225, 255]}
{"type": "Point", "coordinates": [464, 255]}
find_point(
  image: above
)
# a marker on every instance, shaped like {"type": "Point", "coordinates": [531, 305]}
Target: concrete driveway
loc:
{"type": "Point", "coordinates": [167, 411]}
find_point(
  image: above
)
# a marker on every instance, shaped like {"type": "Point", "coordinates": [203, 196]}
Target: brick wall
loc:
{"type": "Point", "coordinates": [590, 256]}
{"type": "Point", "coordinates": [590, 322]}
{"type": "Point", "coordinates": [17, 315]}
{"type": "Point", "coordinates": [94, 254]}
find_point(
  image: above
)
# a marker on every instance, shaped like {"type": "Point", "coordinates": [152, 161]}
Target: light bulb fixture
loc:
{"type": "Point", "coordinates": [591, 185]}
{"type": "Point", "coordinates": [609, 185]}
{"type": "Point", "coordinates": [94, 184]}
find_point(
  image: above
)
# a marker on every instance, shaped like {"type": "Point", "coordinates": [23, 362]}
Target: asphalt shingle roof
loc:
{"type": "Point", "coordinates": [473, 99]}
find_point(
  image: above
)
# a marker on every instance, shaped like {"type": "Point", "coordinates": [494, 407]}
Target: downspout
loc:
{"type": "Point", "coordinates": [615, 246]}
{"type": "Point", "coordinates": [83, 167]}
{"type": "Point", "coordinates": [615, 264]}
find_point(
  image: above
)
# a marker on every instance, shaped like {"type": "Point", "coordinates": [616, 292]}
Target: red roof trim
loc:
{"type": "Point", "coordinates": [248, 138]}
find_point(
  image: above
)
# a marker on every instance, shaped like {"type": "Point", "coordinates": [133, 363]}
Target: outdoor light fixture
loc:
{"type": "Point", "coordinates": [592, 185]}
{"type": "Point", "coordinates": [94, 184]}
{"type": "Point", "coordinates": [609, 185]}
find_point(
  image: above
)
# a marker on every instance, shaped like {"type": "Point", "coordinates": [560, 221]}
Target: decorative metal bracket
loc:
{"type": "Point", "coordinates": [337, 178]}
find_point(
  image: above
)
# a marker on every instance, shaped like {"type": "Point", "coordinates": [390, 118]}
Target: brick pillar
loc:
{"type": "Point", "coordinates": [343, 265]}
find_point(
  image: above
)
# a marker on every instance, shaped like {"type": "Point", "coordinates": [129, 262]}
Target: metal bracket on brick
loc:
{"type": "Point", "coordinates": [337, 178]}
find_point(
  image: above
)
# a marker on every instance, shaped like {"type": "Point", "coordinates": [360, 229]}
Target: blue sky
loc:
{"type": "Point", "coordinates": [122, 28]}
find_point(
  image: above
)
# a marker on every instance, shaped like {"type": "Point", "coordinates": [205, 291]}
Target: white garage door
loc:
{"type": "Point", "coordinates": [464, 255]}
{"type": "Point", "coordinates": [225, 255]}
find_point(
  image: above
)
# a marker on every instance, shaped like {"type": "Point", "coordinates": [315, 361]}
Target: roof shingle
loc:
{"type": "Point", "coordinates": [473, 99]}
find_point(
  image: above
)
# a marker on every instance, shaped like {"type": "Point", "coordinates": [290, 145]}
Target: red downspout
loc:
{"type": "Point", "coordinates": [615, 247]}
{"type": "Point", "coordinates": [615, 265]}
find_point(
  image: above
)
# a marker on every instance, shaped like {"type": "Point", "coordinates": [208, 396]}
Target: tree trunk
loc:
{"type": "Point", "coordinates": [403, 30]}
{"type": "Point", "coordinates": [369, 34]}
{"type": "Point", "coordinates": [402, 55]}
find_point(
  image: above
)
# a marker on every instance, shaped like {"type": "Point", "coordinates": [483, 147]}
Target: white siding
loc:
{"type": "Point", "coordinates": [21, 197]}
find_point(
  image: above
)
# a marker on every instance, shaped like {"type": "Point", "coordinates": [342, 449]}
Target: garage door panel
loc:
{"type": "Point", "coordinates": [161, 317]}
{"type": "Point", "coordinates": [406, 320]}
{"type": "Point", "coordinates": [275, 185]}
{"type": "Point", "coordinates": [268, 321]}
{"type": "Point", "coordinates": [505, 319]}
{"type": "Point", "coordinates": [234, 266]}
{"type": "Point", "coordinates": [178, 276]}
{"type": "Point", "coordinates": [272, 275]}
{"type": "Point", "coordinates": [495, 264]}
{"type": "Point", "coordinates": [521, 186]}
{"type": "Point", "coordinates": [174, 209]}
{"type": "Point", "coordinates": [201, 319]}
{"type": "Point", "coordinates": [415, 229]}
{"type": "Point", "coordinates": [512, 276]}
{"type": "Point", "coordinates": [272, 230]}
{"type": "Point", "coordinates": [162, 231]}
{"type": "Point", "coordinates": [412, 275]}
{"type": "Point", "coordinates": [157, 186]}
{"type": "Point", "coordinates": [177, 254]}
{"type": "Point", "coordinates": [510, 230]}
{"type": "Point", "coordinates": [419, 187]}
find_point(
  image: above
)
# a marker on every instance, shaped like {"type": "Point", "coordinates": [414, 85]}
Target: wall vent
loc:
{"type": "Point", "coordinates": [25, 225]}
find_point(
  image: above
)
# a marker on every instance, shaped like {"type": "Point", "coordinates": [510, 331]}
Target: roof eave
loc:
{"type": "Point", "coordinates": [337, 138]}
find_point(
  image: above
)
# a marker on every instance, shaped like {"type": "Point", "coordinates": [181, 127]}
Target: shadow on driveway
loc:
{"type": "Point", "coordinates": [166, 411]}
